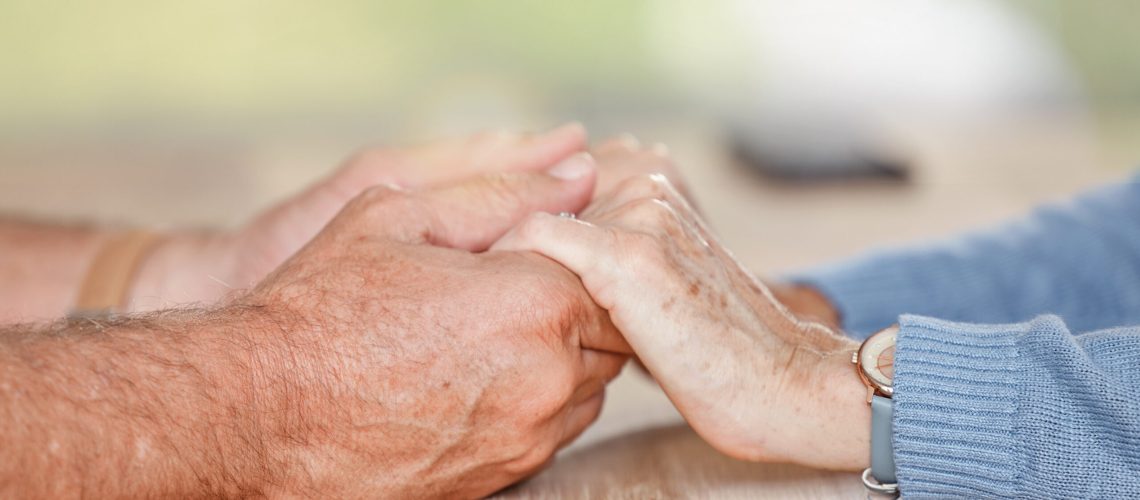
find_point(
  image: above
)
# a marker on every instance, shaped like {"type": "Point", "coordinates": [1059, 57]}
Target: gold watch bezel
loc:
{"type": "Point", "coordinates": [876, 382]}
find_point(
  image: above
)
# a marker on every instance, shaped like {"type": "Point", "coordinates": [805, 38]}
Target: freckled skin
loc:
{"type": "Point", "coordinates": [751, 379]}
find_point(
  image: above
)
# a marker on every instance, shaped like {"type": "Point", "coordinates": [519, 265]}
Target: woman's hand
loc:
{"type": "Point", "coordinates": [416, 365]}
{"type": "Point", "coordinates": [205, 266]}
{"type": "Point", "coordinates": [750, 378]}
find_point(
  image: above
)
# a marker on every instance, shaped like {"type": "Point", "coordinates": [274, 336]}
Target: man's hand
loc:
{"type": "Point", "coordinates": [49, 262]}
{"type": "Point", "coordinates": [204, 267]}
{"type": "Point", "coordinates": [417, 370]}
{"type": "Point", "coordinates": [377, 362]}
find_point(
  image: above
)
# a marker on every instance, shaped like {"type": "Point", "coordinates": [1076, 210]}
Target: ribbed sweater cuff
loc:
{"type": "Point", "coordinates": [955, 406]}
{"type": "Point", "coordinates": [867, 297]}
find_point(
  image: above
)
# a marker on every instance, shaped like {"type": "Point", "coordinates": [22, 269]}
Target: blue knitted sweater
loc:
{"type": "Point", "coordinates": [1027, 384]}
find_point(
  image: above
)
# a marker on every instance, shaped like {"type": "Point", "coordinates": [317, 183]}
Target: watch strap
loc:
{"type": "Point", "coordinates": [882, 447]}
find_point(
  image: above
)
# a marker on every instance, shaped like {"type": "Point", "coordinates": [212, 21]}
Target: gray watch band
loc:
{"type": "Point", "coordinates": [882, 447]}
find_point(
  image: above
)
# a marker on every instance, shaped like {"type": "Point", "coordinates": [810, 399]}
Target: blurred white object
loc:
{"type": "Point", "coordinates": [816, 84]}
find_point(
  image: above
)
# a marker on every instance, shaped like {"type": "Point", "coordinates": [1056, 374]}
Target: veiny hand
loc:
{"type": "Point", "coordinates": [623, 157]}
{"type": "Point", "coordinates": [752, 380]}
{"type": "Point", "coordinates": [414, 368]}
{"type": "Point", "coordinates": [203, 267]}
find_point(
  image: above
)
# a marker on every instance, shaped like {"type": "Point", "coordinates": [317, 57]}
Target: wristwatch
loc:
{"type": "Point", "coordinates": [875, 364]}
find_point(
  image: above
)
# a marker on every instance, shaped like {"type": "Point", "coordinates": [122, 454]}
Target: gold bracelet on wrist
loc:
{"type": "Point", "coordinates": [106, 287]}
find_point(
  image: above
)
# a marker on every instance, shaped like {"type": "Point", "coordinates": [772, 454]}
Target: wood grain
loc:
{"type": "Point", "coordinates": [673, 462]}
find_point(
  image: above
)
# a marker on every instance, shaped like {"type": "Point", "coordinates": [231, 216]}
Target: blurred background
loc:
{"type": "Point", "coordinates": [795, 119]}
{"type": "Point", "coordinates": [808, 130]}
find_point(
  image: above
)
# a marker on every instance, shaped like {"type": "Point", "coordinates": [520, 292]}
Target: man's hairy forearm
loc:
{"type": "Point", "coordinates": [163, 405]}
{"type": "Point", "coordinates": [42, 266]}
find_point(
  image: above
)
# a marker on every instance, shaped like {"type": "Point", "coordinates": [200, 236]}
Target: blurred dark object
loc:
{"type": "Point", "coordinates": [779, 165]}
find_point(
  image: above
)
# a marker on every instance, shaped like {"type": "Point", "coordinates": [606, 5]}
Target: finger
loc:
{"type": "Point", "coordinates": [581, 247]}
{"type": "Point", "coordinates": [546, 149]}
{"type": "Point", "coordinates": [655, 186]}
{"type": "Point", "coordinates": [473, 214]}
{"type": "Point", "coordinates": [623, 142]}
{"type": "Point", "coordinates": [581, 416]}
{"type": "Point", "coordinates": [598, 369]}
{"type": "Point", "coordinates": [457, 159]}
{"type": "Point", "coordinates": [617, 164]}
{"type": "Point", "coordinates": [600, 334]}
{"type": "Point", "coordinates": [628, 265]}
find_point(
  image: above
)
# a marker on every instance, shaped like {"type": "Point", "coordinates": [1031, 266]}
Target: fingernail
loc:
{"type": "Point", "coordinates": [574, 167]}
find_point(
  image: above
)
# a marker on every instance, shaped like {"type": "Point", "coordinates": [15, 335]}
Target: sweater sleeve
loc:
{"type": "Point", "coordinates": [1023, 410]}
{"type": "Point", "coordinates": [1079, 260]}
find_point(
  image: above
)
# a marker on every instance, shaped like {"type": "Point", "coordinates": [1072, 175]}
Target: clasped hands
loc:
{"type": "Point", "coordinates": [424, 326]}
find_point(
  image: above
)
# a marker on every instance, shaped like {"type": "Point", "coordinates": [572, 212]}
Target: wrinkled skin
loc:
{"type": "Point", "coordinates": [752, 379]}
{"type": "Point", "coordinates": [416, 368]}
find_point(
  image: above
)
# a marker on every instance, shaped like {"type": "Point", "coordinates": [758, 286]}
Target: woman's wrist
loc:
{"type": "Point", "coordinates": [187, 267]}
{"type": "Point", "coordinates": [837, 432]}
{"type": "Point", "coordinates": [823, 419]}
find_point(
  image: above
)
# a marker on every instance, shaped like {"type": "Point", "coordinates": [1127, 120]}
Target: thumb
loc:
{"type": "Point", "coordinates": [473, 214]}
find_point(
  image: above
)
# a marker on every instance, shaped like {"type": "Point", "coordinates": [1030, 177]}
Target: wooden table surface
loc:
{"type": "Point", "coordinates": [639, 448]}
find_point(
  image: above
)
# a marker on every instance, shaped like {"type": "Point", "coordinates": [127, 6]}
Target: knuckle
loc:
{"type": "Point", "coordinates": [548, 302]}
{"type": "Point", "coordinates": [382, 201]}
{"type": "Point", "coordinates": [529, 457]}
{"type": "Point", "coordinates": [528, 431]}
{"type": "Point", "coordinates": [383, 195]}
{"type": "Point", "coordinates": [562, 306]}
{"type": "Point", "coordinates": [651, 212]}
{"type": "Point", "coordinates": [557, 396]}
{"type": "Point", "coordinates": [645, 186]}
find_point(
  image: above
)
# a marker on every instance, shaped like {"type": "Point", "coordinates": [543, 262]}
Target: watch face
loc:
{"type": "Point", "coordinates": [877, 358]}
